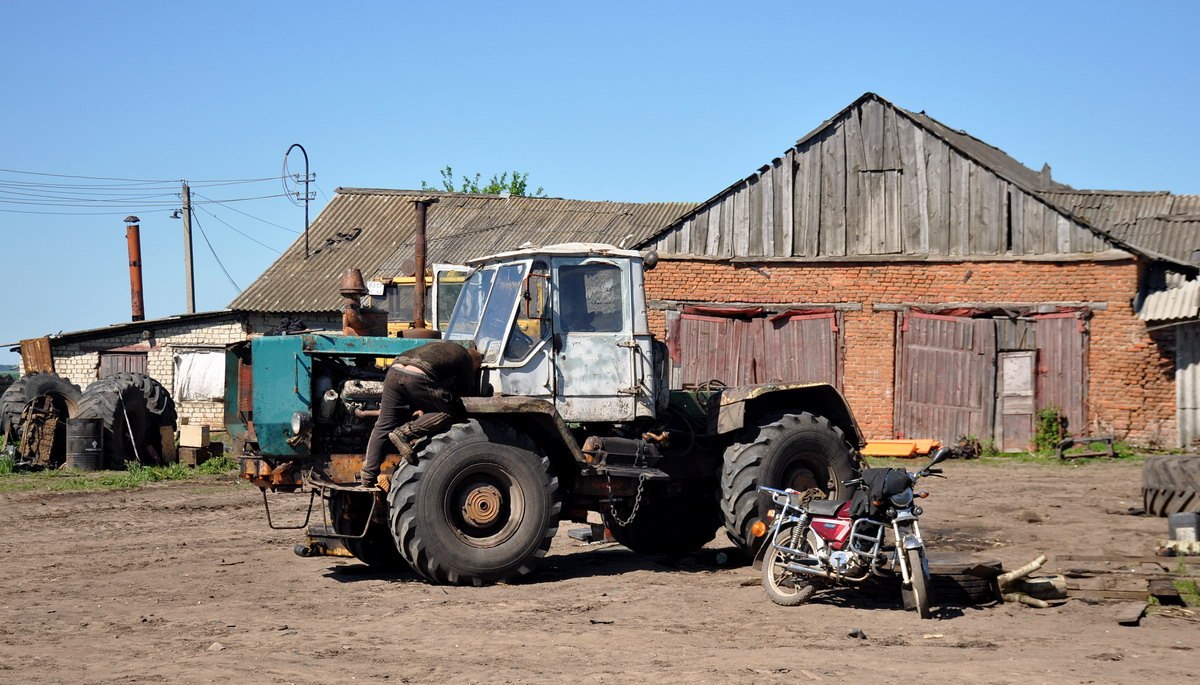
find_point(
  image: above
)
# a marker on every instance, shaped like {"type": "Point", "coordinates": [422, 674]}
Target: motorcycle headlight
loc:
{"type": "Point", "coordinates": [902, 499]}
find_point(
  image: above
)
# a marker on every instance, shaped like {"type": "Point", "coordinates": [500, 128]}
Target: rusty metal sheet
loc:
{"type": "Point", "coordinates": [1062, 367]}
{"type": "Point", "coordinates": [36, 355]}
{"type": "Point", "coordinates": [945, 377]}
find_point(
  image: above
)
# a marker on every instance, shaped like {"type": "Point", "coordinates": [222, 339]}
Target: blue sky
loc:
{"type": "Point", "coordinates": [635, 101]}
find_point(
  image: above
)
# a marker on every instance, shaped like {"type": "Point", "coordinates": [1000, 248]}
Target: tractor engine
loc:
{"type": "Point", "coordinates": [347, 406]}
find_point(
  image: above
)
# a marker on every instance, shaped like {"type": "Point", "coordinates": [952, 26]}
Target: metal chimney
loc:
{"type": "Point", "coordinates": [134, 238]}
{"type": "Point", "coordinates": [422, 208]}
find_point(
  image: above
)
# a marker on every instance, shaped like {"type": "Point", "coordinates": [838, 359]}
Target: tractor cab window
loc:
{"type": "Point", "coordinates": [532, 324]}
{"type": "Point", "coordinates": [590, 298]}
{"type": "Point", "coordinates": [467, 310]}
{"type": "Point", "coordinates": [498, 291]}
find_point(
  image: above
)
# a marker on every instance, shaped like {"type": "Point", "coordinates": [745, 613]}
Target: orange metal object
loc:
{"type": "Point", "coordinates": [900, 448]}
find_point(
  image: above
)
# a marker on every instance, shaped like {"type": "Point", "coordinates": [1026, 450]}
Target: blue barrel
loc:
{"type": "Point", "coordinates": [85, 444]}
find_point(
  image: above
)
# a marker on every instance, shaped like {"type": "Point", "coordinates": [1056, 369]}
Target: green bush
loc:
{"type": "Point", "coordinates": [1050, 429]}
{"type": "Point", "coordinates": [221, 464]}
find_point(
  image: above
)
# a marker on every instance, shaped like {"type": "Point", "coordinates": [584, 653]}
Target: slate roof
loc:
{"type": "Point", "coordinates": [373, 230]}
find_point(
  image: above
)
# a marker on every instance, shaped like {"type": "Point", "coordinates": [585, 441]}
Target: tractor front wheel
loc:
{"type": "Point", "coordinates": [480, 506]}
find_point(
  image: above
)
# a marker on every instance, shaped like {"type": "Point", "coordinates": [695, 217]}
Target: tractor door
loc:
{"type": "Point", "coordinates": [526, 366]}
{"type": "Point", "coordinates": [592, 341]}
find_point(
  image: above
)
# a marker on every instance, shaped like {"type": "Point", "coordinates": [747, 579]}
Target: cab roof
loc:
{"type": "Point", "coordinates": [560, 250]}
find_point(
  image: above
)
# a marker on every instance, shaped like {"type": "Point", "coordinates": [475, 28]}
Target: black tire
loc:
{"type": "Point", "coordinates": [158, 399]}
{"type": "Point", "coordinates": [377, 549]}
{"type": "Point", "coordinates": [917, 596]}
{"type": "Point", "coordinates": [668, 523]}
{"type": "Point", "coordinates": [501, 476]}
{"type": "Point", "coordinates": [1171, 484]}
{"type": "Point", "coordinates": [784, 587]}
{"type": "Point", "coordinates": [64, 394]}
{"type": "Point", "coordinates": [960, 580]}
{"type": "Point", "coordinates": [793, 450]}
{"type": "Point", "coordinates": [130, 431]}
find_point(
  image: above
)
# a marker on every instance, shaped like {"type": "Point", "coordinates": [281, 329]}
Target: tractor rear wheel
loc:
{"type": "Point", "coordinates": [799, 451]}
{"type": "Point", "coordinates": [481, 506]}
{"type": "Point", "coordinates": [668, 523]}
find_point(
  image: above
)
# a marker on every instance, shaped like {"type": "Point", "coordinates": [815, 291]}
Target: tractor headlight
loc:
{"type": "Point", "coordinates": [301, 423]}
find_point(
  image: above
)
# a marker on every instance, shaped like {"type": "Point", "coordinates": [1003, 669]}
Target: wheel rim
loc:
{"type": "Point", "coordinates": [484, 505]}
{"type": "Point", "coordinates": [802, 473]}
{"type": "Point", "coordinates": [781, 579]}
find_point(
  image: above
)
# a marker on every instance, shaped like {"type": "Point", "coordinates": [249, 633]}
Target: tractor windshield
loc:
{"type": "Point", "coordinates": [485, 307]}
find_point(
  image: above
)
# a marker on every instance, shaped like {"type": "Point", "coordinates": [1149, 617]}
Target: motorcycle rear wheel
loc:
{"type": "Point", "coordinates": [916, 596]}
{"type": "Point", "coordinates": [785, 588]}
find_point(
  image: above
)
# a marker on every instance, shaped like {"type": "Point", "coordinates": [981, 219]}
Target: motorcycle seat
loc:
{"type": "Point", "coordinates": [824, 507]}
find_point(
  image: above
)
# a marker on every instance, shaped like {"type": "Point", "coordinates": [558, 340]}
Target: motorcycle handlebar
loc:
{"type": "Point", "coordinates": [852, 482]}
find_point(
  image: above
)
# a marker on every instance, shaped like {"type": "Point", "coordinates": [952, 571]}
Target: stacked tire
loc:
{"type": "Point", "coordinates": [133, 408]}
{"type": "Point", "coordinates": [1171, 484]}
{"type": "Point", "coordinates": [63, 394]}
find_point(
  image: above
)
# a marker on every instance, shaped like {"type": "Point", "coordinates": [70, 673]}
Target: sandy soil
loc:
{"type": "Point", "coordinates": [185, 583]}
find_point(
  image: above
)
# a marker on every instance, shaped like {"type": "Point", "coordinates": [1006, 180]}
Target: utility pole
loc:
{"type": "Point", "coordinates": [187, 249]}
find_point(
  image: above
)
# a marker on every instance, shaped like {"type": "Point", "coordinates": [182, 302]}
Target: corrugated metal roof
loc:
{"type": "Point", "coordinates": [1173, 303]}
{"type": "Point", "coordinates": [373, 230]}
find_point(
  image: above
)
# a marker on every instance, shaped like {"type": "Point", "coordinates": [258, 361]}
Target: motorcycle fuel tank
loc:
{"type": "Point", "coordinates": [834, 530]}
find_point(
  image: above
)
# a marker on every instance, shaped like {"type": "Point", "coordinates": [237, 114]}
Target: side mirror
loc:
{"type": "Point", "coordinates": [941, 455]}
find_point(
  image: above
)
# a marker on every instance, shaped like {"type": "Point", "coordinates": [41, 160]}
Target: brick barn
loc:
{"type": "Point", "coordinates": [947, 289]}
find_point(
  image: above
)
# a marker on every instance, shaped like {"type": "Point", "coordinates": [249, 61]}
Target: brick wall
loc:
{"type": "Point", "coordinates": [1131, 372]}
{"type": "Point", "coordinates": [80, 361]}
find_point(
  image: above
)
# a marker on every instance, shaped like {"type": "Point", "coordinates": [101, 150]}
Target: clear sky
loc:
{"type": "Point", "coordinates": [634, 101]}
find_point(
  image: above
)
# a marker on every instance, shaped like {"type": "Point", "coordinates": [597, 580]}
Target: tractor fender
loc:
{"type": "Point", "coordinates": [538, 419]}
{"type": "Point", "coordinates": [742, 406]}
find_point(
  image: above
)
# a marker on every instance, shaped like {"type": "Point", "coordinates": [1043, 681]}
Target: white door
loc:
{"type": "Point", "coordinates": [593, 340]}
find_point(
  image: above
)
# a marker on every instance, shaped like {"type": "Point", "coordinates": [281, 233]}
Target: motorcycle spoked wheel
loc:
{"type": "Point", "coordinates": [784, 587]}
{"type": "Point", "coordinates": [916, 595]}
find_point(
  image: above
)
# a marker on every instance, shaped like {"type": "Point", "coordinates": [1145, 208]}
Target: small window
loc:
{"type": "Point", "coordinates": [121, 362]}
{"type": "Point", "coordinates": [590, 298]}
{"type": "Point", "coordinates": [199, 375]}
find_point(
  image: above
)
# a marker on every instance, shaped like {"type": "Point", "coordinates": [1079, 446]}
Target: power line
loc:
{"type": "Point", "coordinates": [141, 180]}
{"type": "Point", "coordinates": [235, 209]}
{"type": "Point", "coordinates": [214, 254]}
{"type": "Point", "coordinates": [246, 235]}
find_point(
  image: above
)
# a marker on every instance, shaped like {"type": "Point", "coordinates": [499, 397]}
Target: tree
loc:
{"type": "Point", "coordinates": [516, 184]}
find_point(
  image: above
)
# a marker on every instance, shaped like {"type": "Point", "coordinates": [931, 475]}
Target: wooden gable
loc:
{"type": "Point", "coordinates": [874, 181]}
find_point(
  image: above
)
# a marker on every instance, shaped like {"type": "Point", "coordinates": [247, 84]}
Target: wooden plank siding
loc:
{"type": "Point", "coordinates": [876, 182]}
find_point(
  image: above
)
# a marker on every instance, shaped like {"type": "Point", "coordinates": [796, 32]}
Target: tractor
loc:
{"type": "Point", "coordinates": [577, 417]}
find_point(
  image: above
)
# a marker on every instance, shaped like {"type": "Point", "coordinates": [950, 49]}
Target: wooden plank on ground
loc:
{"type": "Point", "coordinates": [1131, 613]}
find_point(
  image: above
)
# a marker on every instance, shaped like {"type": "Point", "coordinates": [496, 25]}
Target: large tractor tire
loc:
{"type": "Point", "coordinates": [132, 411]}
{"type": "Point", "coordinates": [799, 451]}
{"type": "Point", "coordinates": [481, 506]}
{"type": "Point", "coordinates": [1171, 484]}
{"type": "Point", "coordinates": [63, 394]}
{"type": "Point", "coordinates": [668, 523]}
{"type": "Point", "coordinates": [377, 549]}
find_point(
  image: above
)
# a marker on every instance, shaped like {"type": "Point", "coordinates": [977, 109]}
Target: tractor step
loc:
{"type": "Point", "coordinates": [631, 472]}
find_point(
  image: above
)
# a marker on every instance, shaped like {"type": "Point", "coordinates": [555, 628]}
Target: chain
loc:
{"type": "Point", "coordinates": [637, 501]}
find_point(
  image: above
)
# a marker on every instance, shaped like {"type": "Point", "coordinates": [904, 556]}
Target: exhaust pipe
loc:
{"type": "Point", "coordinates": [801, 568]}
{"type": "Point", "coordinates": [133, 238]}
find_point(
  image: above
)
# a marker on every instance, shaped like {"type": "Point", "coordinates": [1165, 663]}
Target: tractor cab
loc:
{"type": "Point", "coordinates": [565, 323]}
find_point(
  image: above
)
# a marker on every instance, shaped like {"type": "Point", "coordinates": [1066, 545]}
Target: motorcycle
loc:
{"type": "Point", "coordinates": [827, 542]}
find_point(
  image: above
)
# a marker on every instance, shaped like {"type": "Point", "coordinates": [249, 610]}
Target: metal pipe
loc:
{"type": "Point", "coordinates": [422, 209]}
{"type": "Point", "coordinates": [134, 239]}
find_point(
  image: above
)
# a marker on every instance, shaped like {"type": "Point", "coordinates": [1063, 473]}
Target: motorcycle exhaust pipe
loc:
{"type": "Point", "coordinates": [801, 568]}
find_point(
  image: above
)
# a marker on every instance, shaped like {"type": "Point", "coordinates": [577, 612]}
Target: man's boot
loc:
{"type": "Point", "coordinates": [403, 448]}
{"type": "Point", "coordinates": [367, 480]}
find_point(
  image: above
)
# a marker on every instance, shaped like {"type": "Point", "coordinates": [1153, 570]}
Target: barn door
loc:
{"type": "Point", "coordinates": [1062, 367]}
{"type": "Point", "coordinates": [1187, 384]}
{"type": "Point", "coordinates": [945, 377]}
{"type": "Point", "coordinates": [1017, 381]}
{"type": "Point", "coordinates": [801, 348]}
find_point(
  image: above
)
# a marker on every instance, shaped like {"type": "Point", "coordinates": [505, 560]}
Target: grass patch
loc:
{"type": "Point", "coordinates": [1189, 592]}
{"type": "Point", "coordinates": [134, 475]}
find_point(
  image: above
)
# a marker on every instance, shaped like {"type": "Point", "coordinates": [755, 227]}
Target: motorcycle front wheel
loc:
{"type": "Point", "coordinates": [784, 587]}
{"type": "Point", "coordinates": [916, 595]}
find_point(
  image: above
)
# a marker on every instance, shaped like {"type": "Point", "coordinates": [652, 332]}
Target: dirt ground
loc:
{"type": "Point", "coordinates": [185, 583]}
